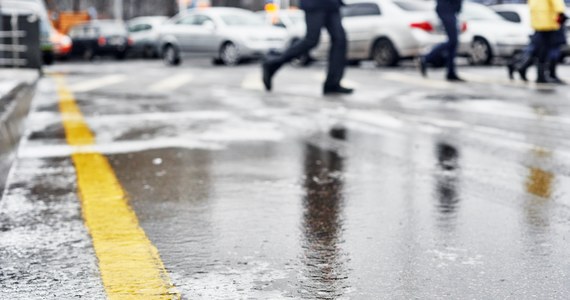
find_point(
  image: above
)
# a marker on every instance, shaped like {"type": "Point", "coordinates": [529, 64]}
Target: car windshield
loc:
{"type": "Point", "coordinates": [414, 6]}
{"type": "Point", "coordinates": [113, 28]}
{"type": "Point", "coordinates": [242, 19]}
{"type": "Point", "coordinates": [479, 12]}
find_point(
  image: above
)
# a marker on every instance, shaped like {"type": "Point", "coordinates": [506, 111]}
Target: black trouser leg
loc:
{"type": "Point", "coordinates": [545, 42]}
{"type": "Point", "coordinates": [449, 21]}
{"type": "Point", "coordinates": [338, 49]}
{"type": "Point", "coordinates": [315, 21]}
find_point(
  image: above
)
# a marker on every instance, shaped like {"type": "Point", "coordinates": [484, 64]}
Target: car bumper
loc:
{"type": "Point", "coordinates": [508, 50]}
{"type": "Point", "coordinates": [259, 49]}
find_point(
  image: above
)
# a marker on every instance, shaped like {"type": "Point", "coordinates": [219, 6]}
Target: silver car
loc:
{"type": "Point", "coordinates": [144, 33]}
{"type": "Point", "coordinates": [387, 31]}
{"type": "Point", "coordinates": [228, 35]}
{"type": "Point", "coordinates": [491, 35]}
{"type": "Point", "coordinates": [292, 20]}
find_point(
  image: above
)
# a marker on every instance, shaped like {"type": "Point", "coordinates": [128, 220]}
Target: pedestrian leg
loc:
{"type": "Point", "coordinates": [337, 54]}
{"type": "Point", "coordinates": [315, 21]}
{"type": "Point", "coordinates": [553, 58]}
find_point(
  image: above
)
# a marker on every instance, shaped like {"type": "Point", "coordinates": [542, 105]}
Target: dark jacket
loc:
{"type": "Point", "coordinates": [327, 5]}
{"type": "Point", "coordinates": [449, 6]}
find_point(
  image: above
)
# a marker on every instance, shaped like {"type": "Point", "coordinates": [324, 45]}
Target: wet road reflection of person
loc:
{"type": "Point", "coordinates": [446, 183]}
{"type": "Point", "coordinates": [538, 203]}
{"type": "Point", "coordinates": [323, 276]}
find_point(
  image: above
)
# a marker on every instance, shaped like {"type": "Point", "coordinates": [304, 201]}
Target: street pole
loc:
{"type": "Point", "coordinates": [119, 10]}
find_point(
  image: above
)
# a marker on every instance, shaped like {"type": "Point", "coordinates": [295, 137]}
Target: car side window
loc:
{"type": "Point", "coordinates": [510, 16]}
{"type": "Point", "coordinates": [188, 20]}
{"type": "Point", "coordinates": [361, 9]}
{"type": "Point", "coordinates": [134, 28]}
{"type": "Point", "coordinates": [201, 19]}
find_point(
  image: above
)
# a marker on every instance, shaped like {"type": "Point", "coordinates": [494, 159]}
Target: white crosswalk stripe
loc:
{"type": "Point", "coordinates": [171, 83]}
{"type": "Point", "coordinates": [94, 84]}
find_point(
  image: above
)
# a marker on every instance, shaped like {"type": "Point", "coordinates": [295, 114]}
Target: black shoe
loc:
{"type": "Point", "coordinates": [522, 73]}
{"type": "Point", "coordinates": [422, 65]}
{"type": "Point", "coordinates": [454, 78]}
{"type": "Point", "coordinates": [337, 90]}
{"type": "Point", "coordinates": [269, 70]}
{"type": "Point", "coordinates": [511, 69]}
{"type": "Point", "coordinates": [556, 80]}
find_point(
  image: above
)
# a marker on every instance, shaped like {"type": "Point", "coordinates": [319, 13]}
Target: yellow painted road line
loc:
{"type": "Point", "coordinates": [130, 265]}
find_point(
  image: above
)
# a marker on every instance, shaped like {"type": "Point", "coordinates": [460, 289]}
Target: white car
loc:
{"type": "Point", "coordinates": [291, 20]}
{"type": "Point", "coordinates": [143, 31]}
{"type": "Point", "coordinates": [387, 31]}
{"type": "Point", "coordinates": [520, 14]}
{"type": "Point", "coordinates": [228, 35]}
{"type": "Point", "coordinates": [491, 35]}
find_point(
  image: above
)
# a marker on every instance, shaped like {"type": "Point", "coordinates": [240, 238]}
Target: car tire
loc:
{"type": "Point", "coordinates": [481, 53]}
{"type": "Point", "coordinates": [384, 54]}
{"type": "Point", "coordinates": [229, 54]}
{"type": "Point", "coordinates": [48, 58]}
{"type": "Point", "coordinates": [171, 56]}
{"type": "Point", "coordinates": [217, 62]}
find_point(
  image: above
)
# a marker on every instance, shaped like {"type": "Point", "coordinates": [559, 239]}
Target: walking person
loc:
{"type": "Point", "coordinates": [318, 14]}
{"type": "Point", "coordinates": [546, 17]}
{"type": "Point", "coordinates": [527, 58]}
{"type": "Point", "coordinates": [447, 11]}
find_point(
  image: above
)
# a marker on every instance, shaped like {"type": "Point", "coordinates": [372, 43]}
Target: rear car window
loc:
{"type": "Point", "coordinates": [361, 9]}
{"type": "Point", "coordinates": [112, 29]}
{"type": "Point", "coordinates": [510, 16]}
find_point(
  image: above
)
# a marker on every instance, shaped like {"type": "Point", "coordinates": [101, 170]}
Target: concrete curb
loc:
{"type": "Point", "coordinates": [17, 88]}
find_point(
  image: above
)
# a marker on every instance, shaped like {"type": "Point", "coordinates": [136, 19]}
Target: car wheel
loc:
{"type": "Point", "coordinates": [48, 58]}
{"type": "Point", "coordinates": [171, 56]}
{"type": "Point", "coordinates": [481, 53]}
{"type": "Point", "coordinates": [384, 53]}
{"type": "Point", "coordinates": [217, 62]}
{"type": "Point", "coordinates": [229, 54]}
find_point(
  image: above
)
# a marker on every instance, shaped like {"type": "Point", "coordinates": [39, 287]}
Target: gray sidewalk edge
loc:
{"type": "Point", "coordinates": [15, 102]}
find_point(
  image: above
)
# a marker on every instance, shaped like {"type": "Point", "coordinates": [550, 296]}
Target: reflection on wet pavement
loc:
{"type": "Point", "coordinates": [324, 275]}
{"type": "Point", "coordinates": [447, 183]}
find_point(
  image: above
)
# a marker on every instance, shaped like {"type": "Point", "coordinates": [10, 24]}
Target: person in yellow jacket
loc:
{"type": "Point", "coordinates": [546, 17]}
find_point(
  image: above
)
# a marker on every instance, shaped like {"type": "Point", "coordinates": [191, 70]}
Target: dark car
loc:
{"type": "Point", "coordinates": [100, 38]}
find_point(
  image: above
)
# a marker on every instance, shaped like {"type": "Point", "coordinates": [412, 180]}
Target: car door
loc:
{"type": "Point", "coordinates": [360, 21]}
{"type": "Point", "coordinates": [186, 32]}
{"type": "Point", "coordinates": [206, 39]}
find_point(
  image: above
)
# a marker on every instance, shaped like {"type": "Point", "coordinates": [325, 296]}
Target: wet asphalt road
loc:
{"type": "Point", "coordinates": [411, 188]}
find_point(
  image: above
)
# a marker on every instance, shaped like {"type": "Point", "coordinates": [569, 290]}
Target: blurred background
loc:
{"type": "Point", "coordinates": [385, 32]}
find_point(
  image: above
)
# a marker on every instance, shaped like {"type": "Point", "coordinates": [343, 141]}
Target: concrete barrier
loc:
{"type": "Point", "coordinates": [17, 88]}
